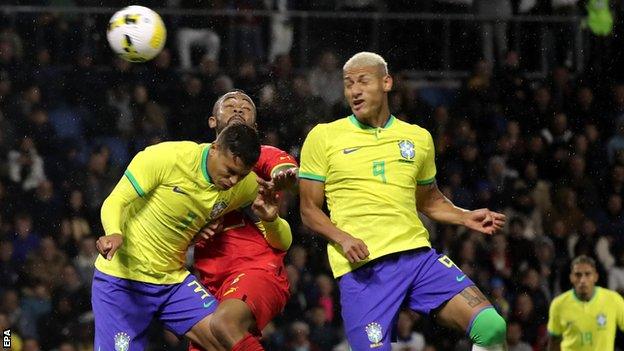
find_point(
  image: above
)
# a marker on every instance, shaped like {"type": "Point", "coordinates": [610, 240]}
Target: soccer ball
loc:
{"type": "Point", "coordinates": [136, 33]}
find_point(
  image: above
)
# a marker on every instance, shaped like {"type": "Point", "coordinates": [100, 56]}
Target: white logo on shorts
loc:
{"type": "Point", "coordinates": [122, 341]}
{"type": "Point", "coordinates": [375, 334]}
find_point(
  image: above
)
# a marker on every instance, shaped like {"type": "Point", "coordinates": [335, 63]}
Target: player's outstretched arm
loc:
{"type": "Point", "coordinates": [312, 195]}
{"type": "Point", "coordinates": [111, 211]}
{"type": "Point", "coordinates": [266, 208]}
{"type": "Point", "coordinates": [438, 207]}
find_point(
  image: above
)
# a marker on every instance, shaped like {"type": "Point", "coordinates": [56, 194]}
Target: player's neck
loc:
{"type": "Point", "coordinates": [586, 298]}
{"type": "Point", "coordinates": [378, 120]}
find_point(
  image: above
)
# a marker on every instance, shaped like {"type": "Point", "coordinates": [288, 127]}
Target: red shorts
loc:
{"type": "Point", "coordinates": [264, 292]}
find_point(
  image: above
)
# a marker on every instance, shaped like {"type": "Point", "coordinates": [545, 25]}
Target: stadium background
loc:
{"type": "Point", "coordinates": [525, 104]}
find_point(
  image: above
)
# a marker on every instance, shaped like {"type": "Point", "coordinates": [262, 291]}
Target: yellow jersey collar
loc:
{"type": "Point", "coordinates": [204, 164]}
{"type": "Point", "coordinates": [366, 126]}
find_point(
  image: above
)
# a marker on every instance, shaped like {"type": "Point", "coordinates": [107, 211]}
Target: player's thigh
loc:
{"type": "Point", "coordinates": [187, 305]}
{"type": "Point", "coordinates": [370, 298]}
{"type": "Point", "coordinates": [202, 338]}
{"type": "Point", "coordinates": [460, 310]}
{"type": "Point", "coordinates": [444, 289]}
{"type": "Point", "coordinates": [122, 313]}
{"type": "Point", "coordinates": [264, 293]}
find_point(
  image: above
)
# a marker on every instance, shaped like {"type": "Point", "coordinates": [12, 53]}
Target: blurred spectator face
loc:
{"type": "Point", "coordinates": [233, 107]}
{"type": "Point", "coordinates": [193, 86]}
{"type": "Point", "coordinates": [272, 138]}
{"type": "Point", "coordinates": [577, 166]}
{"type": "Point", "coordinates": [4, 321]}
{"type": "Point", "coordinates": [617, 175]}
{"type": "Point", "coordinates": [581, 145]}
{"type": "Point", "coordinates": [43, 57]}
{"type": "Point", "coordinates": [618, 95]}
{"type": "Point", "coordinates": [10, 301]}
{"type": "Point", "coordinates": [559, 229]}
{"type": "Point", "coordinates": [470, 153]}
{"type": "Point", "coordinates": [513, 128]}
{"type": "Point", "coordinates": [293, 277]}
{"type": "Point", "coordinates": [499, 243]}
{"type": "Point", "coordinates": [5, 86]}
{"type": "Point", "coordinates": [589, 227]}
{"type": "Point", "coordinates": [299, 257]}
{"type": "Point", "coordinates": [23, 225]}
{"type": "Point", "coordinates": [208, 66]}
{"type": "Point", "coordinates": [42, 292]}
{"type": "Point", "coordinates": [48, 249]}
{"type": "Point", "coordinates": [163, 60]}
{"type": "Point", "coordinates": [87, 246]}
{"type": "Point", "coordinates": [561, 76]}
{"type": "Point", "coordinates": [300, 332]}
{"type": "Point", "coordinates": [319, 317]}
{"type": "Point", "coordinates": [30, 345]}
{"type": "Point", "coordinates": [591, 131]}
{"type": "Point", "coordinates": [440, 115]}
{"type": "Point", "coordinates": [583, 277]}
{"type": "Point", "coordinates": [531, 279]}
{"type": "Point", "coordinates": [70, 277]}
{"type": "Point", "coordinates": [585, 97]}
{"type": "Point", "coordinates": [516, 228]}
{"type": "Point", "coordinates": [6, 251]}
{"type": "Point", "coordinates": [140, 94]}
{"type": "Point", "coordinates": [325, 285]}
{"type": "Point", "coordinates": [301, 86]}
{"type": "Point", "coordinates": [222, 85]}
{"type": "Point", "coordinates": [32, 95]}
{"type": "Point", "coordinates": [614, 205]}
{"type": "Point", "coordinates": [514, 333]}
{"type": "Point", "coordinates": [39, 117]}
{"type": "Point", "coordinates": [67, 347]}
{"type": "Point", "coordinates": [45, 190]}
{"type": "Point", "coordinates": [405, 324]}
{"type": "Point", "coordinates": [524, 306]}
{"type": "Point", "coordinates": [329, 62]}
{"type": "Point", "coordinates": [560, 123]}
{"type": "Point", "coordinates": [7, 52]}
{"type": "Point", "coordinates": [530, 171]}
{"type": "Point", "coordinates": [542, 97]}
{"type": "Point", "coordinates": [247, 70]}
{"type": "Point", "coordinates": [76, 200]}
{"type": "Point", "coordinates": [512, 59]}
{"type": "Point", "coordinates": [536, 144]}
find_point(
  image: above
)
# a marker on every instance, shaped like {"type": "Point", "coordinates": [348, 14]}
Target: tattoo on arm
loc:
{"type": "Point", "coordinates": [473, 296]}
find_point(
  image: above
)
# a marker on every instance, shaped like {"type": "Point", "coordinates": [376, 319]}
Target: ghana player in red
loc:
{"type": "Point", "coordinates": [234, 260]}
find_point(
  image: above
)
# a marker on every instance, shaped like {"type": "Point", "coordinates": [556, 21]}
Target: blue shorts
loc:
{"type": "Point", "coordinates": [123, 309]}
{"type": "Point", "coordinates": [372, 295]}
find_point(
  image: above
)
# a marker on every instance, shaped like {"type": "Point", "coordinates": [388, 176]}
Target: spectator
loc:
{"type": "Point", "coordinates": [514, 338]}
{"type": "Point", "coordinates": [26, 166]}
{"type": "Point", "coordinates": [299, 339]}
{"type": "Point", "coordinates": [407, 338]}
{"type": "Point", "coordinates": [25, 240]}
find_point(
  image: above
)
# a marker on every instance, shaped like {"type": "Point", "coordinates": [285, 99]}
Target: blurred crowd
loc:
{"type": "Point", "coordinates": [547, 152]}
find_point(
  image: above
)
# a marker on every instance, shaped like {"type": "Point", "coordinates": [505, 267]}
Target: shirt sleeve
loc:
{"type": "Point", "coordinates": [146, 170]}
{"type": "Point", "coordinates": [246, 192]}
{"type": "Point", "coordinates": [149, 167]}
{"type": "Point", "coordinates": [427, 172]}
{"type": "Point", "coordinates": [554, 327]}
{"type": "Point", "coordinates": [314, 155]}
{"type": "Point", "coordinates": [273, 160]}
{"type": "Point", "coordinates": [619, 303]}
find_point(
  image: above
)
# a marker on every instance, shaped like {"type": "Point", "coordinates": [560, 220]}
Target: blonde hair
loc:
{"type": "Point", "coordinates": [366, 59]}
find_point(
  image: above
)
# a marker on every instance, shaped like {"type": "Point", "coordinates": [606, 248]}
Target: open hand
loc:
{"type": "Point", "coordinates": [266, 205]}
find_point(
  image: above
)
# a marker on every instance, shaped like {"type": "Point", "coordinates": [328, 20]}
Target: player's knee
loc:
{"type": "Point", "coordinates": [488, 328]}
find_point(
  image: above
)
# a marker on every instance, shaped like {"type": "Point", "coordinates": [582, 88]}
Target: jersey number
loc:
{"type": "Point", "coordinates": [586, 338]}
{"type": "Point", "coordinates": [379, 169]}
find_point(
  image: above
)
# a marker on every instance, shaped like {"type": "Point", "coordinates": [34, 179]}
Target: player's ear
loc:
{"type": "Point", "coordinates": [387, 83]}
{"type": "Point", "coordinates": [212, 122]}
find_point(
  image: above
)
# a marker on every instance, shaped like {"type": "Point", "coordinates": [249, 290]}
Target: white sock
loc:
{"type": "Point", "coordinates": [489, 348]}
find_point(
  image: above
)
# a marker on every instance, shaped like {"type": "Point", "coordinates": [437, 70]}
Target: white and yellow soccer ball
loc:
{"type": "Point", "coordinates": [136, 33]}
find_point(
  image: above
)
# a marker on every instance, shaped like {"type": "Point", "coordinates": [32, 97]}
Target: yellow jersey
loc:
{"type": "Point", "coordinates": [370, 177]}
{"type": "Point", "coordinates": [586, 325]}
{"type": "Point", "coordinates": [166, 196]}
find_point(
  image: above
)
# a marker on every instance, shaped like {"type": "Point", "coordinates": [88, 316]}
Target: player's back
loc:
{"type": "Point", "coordinates": [370, 177]}
{"type": "Point", "coordinates": [176, 198]}
{"type": "Point", "coordinates": [242, 245]}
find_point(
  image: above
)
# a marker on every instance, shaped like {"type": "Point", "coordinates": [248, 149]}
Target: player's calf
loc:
{"type": "Point", "coordinates": [231, 323]}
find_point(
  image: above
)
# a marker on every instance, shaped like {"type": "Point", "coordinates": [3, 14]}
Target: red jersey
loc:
{"type": "Point", "coordinates": [241, 245]}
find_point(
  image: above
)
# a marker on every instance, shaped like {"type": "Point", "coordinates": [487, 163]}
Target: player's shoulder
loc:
{"type": "Point", "coordinates": [564, 298]}
{"type": "Point", "coordinates": [410, 128]}
{"type": "Point", "coordinates": [268, 150]}
{"type": "Point", "coordinates": [175, 146]}
{"type": "Point", "coordinates": [337, 126]}
{"type": "Point", "coordinates": [610, 294]}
